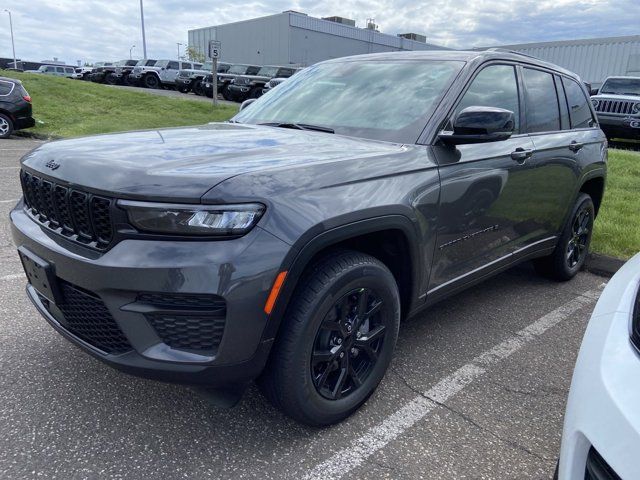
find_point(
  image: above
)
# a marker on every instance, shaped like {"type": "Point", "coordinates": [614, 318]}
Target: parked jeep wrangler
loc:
{"type": "Point", "coordinates": [287, 244]}
{"type": "Point", "coordinates": [191, 80]}
{"type": "Point", "coordinates": [250, 86]}
{"type": "Point", "coordinates": [121, 71]}
{"type": "Point", "coordinates": [225, 79]}
{"type": "Point", "coordinates": [161, 74]}
{"type": "Point", "coordinates": [98, 73]}
{"type": "Point", "coordinates": [617, 104]}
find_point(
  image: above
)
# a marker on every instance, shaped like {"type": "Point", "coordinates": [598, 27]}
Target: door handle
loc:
{"type": "Point", "coordinates": [575, 146]}
{"type": "Point", "coordinates": [520, 154]}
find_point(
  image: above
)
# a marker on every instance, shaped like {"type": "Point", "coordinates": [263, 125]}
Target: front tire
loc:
{"type": "Point", "coordinates": [151, 81]}
{"type": "Point", "coordinates": [336, 340]}
{"type": "Point", "coordinates": [6, 126]}
{"type": "Point", "coordinates": [573, 245]}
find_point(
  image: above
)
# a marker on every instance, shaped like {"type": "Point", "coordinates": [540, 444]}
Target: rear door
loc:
{"type": "Point", "coordinates": [482, 201]}
{"type": "Point", "coordinates": [553, 166]}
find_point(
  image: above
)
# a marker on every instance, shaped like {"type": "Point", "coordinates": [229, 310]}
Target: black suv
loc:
{"type": "Point", "coordinates": [15, 107]}
{"type": "Point", "coordinates": [287, 244]}
{"type": "Point", "coordinates": [250, 86]}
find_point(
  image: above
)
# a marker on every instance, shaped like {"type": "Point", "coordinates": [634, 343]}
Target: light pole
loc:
{"type": "Point", "coordinates": [144, 40]}
{"type": "Point", "coordinates": [13, 46]}
{"type": "Point", "coordinates": [132, 47]}
{"type": "Point", "coordinates": [178, 43]}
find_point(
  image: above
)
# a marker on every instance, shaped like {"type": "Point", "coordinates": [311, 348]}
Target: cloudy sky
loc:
{"type": "Point", "coordinates": [91, 30]}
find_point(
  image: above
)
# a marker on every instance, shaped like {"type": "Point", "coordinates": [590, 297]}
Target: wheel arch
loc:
{"type": "Point", "coordinates": [392, 239]}
{"type": "Point", "coordinates": [594, 187]}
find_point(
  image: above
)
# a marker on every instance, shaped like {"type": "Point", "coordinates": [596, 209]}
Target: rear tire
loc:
{"type": "Point", "coordinates": [573, 245]}
{"type": "Point", "coordinates": [6, 126]}
{"type": "Point", "coordinates": [336, 340]}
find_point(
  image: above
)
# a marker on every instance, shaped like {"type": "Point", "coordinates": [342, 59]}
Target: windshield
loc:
{"type": "Point", "coordinates": [267, 71]}
{"type": "Point", "coordinates": [621, 86]}
{"type": "Point", "coordinates": [381, 100]}
{"type": "Point", "coordinates": [238, 69]}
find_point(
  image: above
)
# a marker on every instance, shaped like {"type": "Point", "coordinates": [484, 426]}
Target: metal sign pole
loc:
{"type": "Point", "coordinates": [214, 70]}
{"type": "Point", "coordinates": [214, 54]}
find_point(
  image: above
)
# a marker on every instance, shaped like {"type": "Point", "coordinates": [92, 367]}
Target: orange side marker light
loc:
{"type": "Point", "coordinates": [275, 290]}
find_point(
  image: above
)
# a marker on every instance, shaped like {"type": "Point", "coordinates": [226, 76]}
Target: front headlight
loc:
{"type": "Point", "coordinates": [193, 219]}
{"type": "Point", "coordinates": [595, 103]}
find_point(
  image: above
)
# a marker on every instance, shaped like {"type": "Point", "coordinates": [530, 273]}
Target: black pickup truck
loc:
{"type": "Point", "coordinates": [287, 244]}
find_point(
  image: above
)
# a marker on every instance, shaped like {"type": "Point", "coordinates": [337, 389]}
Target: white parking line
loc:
{"type": "Point", "coordinates": [14, 276]}
{"type": "Point", "coordinates": [376, 438]}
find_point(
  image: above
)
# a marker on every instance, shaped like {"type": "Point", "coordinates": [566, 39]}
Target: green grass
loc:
{"type": "Point", "coordinates": [69, 108]}
{"type": "Point", "coordinates": [617, 227]}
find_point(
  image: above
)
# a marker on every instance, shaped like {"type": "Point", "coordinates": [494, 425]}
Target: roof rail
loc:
{"type": "Point", "coordinates": [506, 50]}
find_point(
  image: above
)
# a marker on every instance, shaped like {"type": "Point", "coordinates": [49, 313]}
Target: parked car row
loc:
{"type": "Point", "coordinates": [236, 82]}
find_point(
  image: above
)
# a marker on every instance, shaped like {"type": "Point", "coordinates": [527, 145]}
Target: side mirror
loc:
{"type": "Point", "coordinates": [480, 125]}
{"type": "Point", "coordinates": [246, 103]}
{"type": "Point", "coordinates": [593, 91]}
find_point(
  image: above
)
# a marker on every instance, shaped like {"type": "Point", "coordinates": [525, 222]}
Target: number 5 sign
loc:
{"type": "Point", "coordinates": [214, 49]}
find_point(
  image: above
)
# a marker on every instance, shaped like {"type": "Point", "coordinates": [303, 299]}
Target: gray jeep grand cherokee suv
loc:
{"type": "Point", "coordinates": [287, 244]}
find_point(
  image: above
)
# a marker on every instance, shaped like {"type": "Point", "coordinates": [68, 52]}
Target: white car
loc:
{"type": "Point", "coordinates": [601, 437]}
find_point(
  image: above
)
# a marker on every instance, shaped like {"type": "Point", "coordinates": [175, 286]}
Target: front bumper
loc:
{"type": "Point", "coordinates": [239, 92]}
{"type": "Point", "coordinates": [616, 125]}
{"type": "Point", "coordinates": [183, 82]}
{"type": "Point", "coordinates": [602, 409]}
{"type": "Point", "coordinates": [240, 271]}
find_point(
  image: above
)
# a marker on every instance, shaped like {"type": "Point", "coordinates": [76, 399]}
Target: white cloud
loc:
{"type": "Point", "coordinates": [105, 30]}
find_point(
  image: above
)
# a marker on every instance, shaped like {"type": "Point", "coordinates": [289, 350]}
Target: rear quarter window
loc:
{"type": "Point", "coordinates": [578, 104]}
{"type": "Point", "coordinates": [5, 88]}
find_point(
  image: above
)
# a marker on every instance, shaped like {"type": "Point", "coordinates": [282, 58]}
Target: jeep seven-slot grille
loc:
{"type": "Point", "coordinates": [615, 106]}
{"type": "Point", "coordinates": [78, 215]}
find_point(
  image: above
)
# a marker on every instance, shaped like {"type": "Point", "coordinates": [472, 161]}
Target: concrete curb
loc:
{"type": "Point", "coordinates": [603, 265]}
{"type": "Point", "coordinates": [35, 136]}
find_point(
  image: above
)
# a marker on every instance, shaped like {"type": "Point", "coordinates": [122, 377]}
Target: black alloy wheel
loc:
{"type": "Point", "coordinates": [580, 235]}
{"type": "Point", "coordinates": [347, 344]}
{"type": "Point", "coordinates": [336, 339]}
{"type": "Point", "coordinates": [572, 247]}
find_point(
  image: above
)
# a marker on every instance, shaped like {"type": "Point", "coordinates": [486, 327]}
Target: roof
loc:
{"type": "Point", "coordinates": [459, 55]}
{"type": "Point", "coordinates": [582, 41]}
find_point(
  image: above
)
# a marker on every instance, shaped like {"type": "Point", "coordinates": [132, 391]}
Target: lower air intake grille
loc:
{"type": "Point", "coordinates": [87, 317]}
{"type": "Point", "coordinates": [597, 468]}
{"type": "Point", "coordinates": [188, 331]}
{"type": "Point", "coordinates": [185, 321]}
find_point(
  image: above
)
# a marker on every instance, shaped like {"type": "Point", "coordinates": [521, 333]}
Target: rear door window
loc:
{"type": "Point", "coordinates": [173, 66]}
{"type": "Point", "coordinates": [495, 86]}
{"type": "Point", "coordinates": [542, 110]}
{"type": "Point", "coordinates": [578, 104]}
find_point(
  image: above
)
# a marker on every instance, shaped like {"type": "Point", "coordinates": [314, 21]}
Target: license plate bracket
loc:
{"type": "Point", "coordinates": [41, 275]}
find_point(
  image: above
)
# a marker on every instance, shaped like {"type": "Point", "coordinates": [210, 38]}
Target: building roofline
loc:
{"type": "Point", "coordinates": [582, 41]}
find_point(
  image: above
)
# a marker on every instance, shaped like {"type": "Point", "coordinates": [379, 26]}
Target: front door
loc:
{"type": "Point", "coordinates": [483, 208]}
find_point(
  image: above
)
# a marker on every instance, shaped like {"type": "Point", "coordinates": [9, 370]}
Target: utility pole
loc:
{"type": "Point", "coordinates": [132, 47]}
{"type": "Point", "coordinates": [178, 43]}
{"type": "Point", "coordinates": [13, 46]}
{"type": "Point", "coordinates": [144, 40]}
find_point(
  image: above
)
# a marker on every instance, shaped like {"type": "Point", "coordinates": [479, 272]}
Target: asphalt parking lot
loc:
{"type": "Point", "coordinates": [476, 390]}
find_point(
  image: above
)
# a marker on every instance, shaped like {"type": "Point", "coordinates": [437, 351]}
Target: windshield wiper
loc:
{"type": "Point", "coordinates": [299, 126]}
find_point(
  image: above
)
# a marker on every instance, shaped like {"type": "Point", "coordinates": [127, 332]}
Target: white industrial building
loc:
{"type": "Point", "coordinates": [594, 59]}
{"type": "Point", "coordinates": [296, 38]}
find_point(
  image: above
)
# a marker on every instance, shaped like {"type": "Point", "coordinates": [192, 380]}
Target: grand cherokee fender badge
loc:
{"type": "Point", "coordinates": [492, 228]}
{"type": "Point", "coordinates": [52, 164]}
